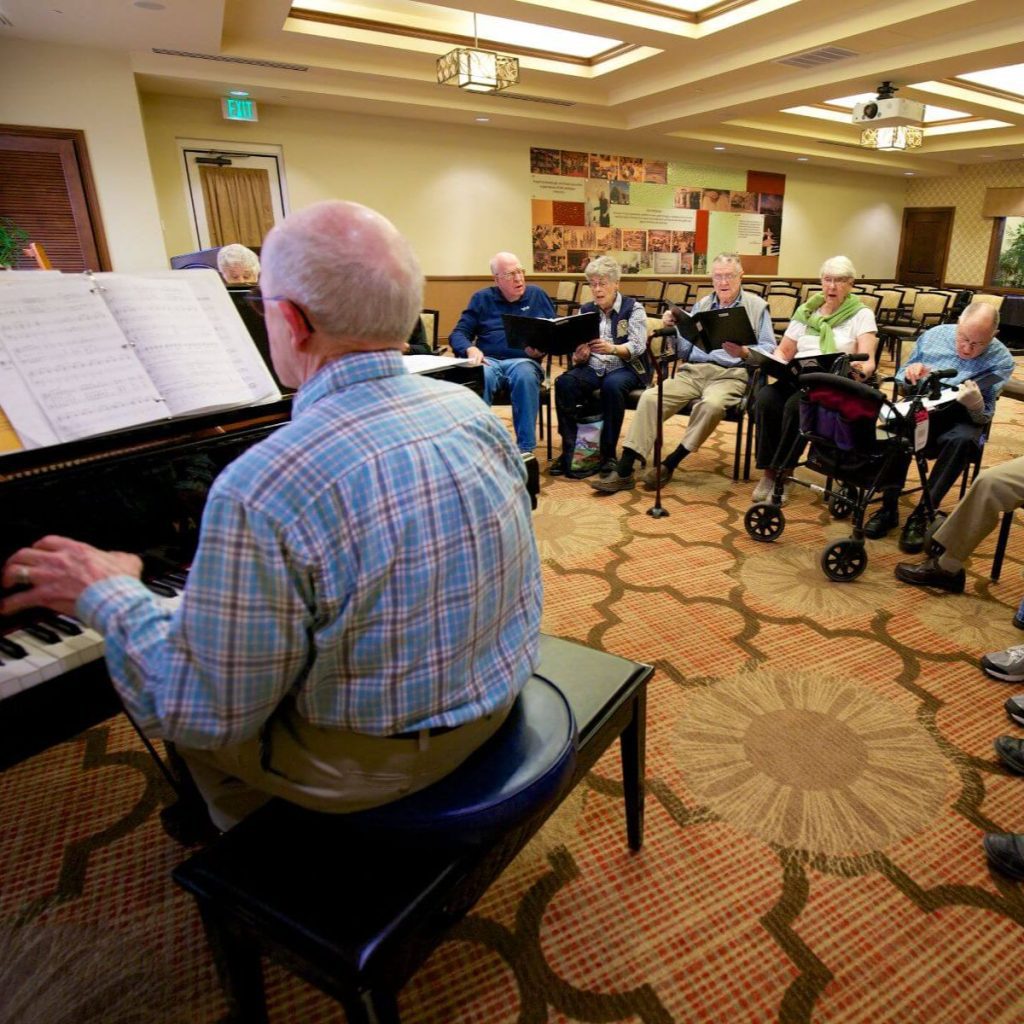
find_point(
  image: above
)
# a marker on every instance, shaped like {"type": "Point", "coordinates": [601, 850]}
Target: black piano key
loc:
{"type": "Point", "coordinates": [12, 649]}
{"type": "Point", "coordinates": [41, 632]}
{"type": "Point", "coordinates": [178, 578]}
{"type": "Point", "coordinates": [161, 589]}
{"type": "Point", "coordinates": [62, 624]}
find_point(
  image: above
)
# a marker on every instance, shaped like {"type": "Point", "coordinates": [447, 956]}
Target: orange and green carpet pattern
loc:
{"type": "Point", "coordinates": [819, 776]}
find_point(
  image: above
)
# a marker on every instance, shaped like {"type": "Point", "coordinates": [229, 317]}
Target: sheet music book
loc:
{"type": "Point", "coordinates": [806, 362]}
{"type": "Point", "coordinates": [82, 355]}
{"type": "Point", "coordinates": [709, 329]}
{"type": "Point", "coordinates": [557, 336]}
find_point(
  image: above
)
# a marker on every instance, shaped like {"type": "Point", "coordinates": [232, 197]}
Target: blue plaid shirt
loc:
{"type": "Point", "coordinates": [375, 558]}
{"type": "Point", "coordinates": [936, 348]}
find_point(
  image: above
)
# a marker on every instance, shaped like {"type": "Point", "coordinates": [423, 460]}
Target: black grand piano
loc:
{"type": "Point", "coordinates": [141, 490]}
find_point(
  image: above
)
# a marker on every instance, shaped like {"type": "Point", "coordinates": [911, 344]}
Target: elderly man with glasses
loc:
{"type": "Point", "coordinates": [713, 380]}
{"type": "Point", "coordinates": [479, 336]}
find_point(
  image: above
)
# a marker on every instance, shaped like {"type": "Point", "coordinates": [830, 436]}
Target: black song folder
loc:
{"type": "Point", "coordinates": [554, 335]}
{"type": "Point", "coordinates": [710, 328]}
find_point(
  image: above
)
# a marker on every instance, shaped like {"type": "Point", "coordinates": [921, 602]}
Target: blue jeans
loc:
{"type": "Point", "coordinates": [521, 378]}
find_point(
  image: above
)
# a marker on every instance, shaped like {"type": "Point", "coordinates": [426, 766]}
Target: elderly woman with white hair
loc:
{"type": "Point", "coordinates": [238, 265]}
{"type": "Point", "coordinates": [831, 320]}
{"type": "Point", "coordinates": [613, 364]}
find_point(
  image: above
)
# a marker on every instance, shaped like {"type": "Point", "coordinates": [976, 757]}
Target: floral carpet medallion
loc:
{"type": "Point", "coordinates": [811, 763]}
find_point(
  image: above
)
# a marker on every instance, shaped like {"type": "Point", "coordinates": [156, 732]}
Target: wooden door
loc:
{"type": "Point", "coordinates": [46, 190]}
{"type": "Point", "coordinates": [924, 245]}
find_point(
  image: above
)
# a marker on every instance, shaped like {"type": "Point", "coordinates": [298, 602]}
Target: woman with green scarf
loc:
{"type": "Point", "coordinates": [831, 320]}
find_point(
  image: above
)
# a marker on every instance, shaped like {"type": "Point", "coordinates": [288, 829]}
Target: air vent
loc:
{"type": "Point", "coordinates": [815, 58]}
{"type": "Point", "coordinates": [250, 61]}
{"type": "Point", "coordinates": [532, 99]}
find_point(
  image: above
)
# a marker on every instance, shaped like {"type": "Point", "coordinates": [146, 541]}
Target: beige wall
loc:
{"type": "Point", "coordinates": [462, 193]}
{"type": "Point", "coordinates": [94, 91]}
{"type": "Point", "coordinates": [972, 233]}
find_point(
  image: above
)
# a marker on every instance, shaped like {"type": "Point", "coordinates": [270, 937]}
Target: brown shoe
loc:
{"type": "Point", "coordinates": [651, 474]}
{"type": "Point", "coordinates": [612, 482]}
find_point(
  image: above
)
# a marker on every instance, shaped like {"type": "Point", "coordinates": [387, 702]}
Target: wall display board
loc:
{"type": "Point", "coordinates": [653, 216]}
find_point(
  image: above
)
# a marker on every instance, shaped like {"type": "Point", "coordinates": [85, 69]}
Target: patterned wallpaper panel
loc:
{"type": "Point", "coordinates": [972, 233]}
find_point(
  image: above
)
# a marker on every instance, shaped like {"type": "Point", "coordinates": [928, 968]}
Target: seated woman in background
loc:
{"type": "Point", "coordinates": [831, 320]}
{"type": "Point", "coordinates": [238, 265]}
{"type": "Point", "coordinates": [612, 363]}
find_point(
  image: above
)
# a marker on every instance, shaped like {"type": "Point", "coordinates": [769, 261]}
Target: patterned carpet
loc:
{"type": "Point", "coordinates": [819, 768]}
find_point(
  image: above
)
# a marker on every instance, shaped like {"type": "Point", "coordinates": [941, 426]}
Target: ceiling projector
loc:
{"type": "Point", "coordinates": [888, 112]}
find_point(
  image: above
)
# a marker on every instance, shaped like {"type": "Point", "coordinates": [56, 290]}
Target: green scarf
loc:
{"type": "Point", "coordinates": [822, 325]}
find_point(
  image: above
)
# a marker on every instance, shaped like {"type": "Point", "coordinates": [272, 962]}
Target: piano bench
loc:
{"type": "Point", "coordinates": [356, 903]}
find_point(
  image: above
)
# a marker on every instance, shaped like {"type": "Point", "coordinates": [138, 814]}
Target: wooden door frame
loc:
{"type": "Point", "coordinates": [91, 211]}
{"type": "Point", "coordinates": [949, 236]}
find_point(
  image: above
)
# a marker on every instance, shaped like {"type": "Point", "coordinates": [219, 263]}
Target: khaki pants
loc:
{"type": "Point", "coordinates": [997, 490]}
{"type": "Point", "coordinates": [327, 769]}
{"type": "Point", "coordinates": [713, 388]}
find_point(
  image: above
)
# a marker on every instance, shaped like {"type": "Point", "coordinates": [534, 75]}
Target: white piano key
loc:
{"type": "Point", "coordinates": [68, 655]}
{"type": "Point", "coordinates": [20, 673]}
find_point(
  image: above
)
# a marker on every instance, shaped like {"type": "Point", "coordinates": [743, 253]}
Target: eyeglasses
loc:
{"type": "Point", "coordinates": [511, 275]}
{"type": "Point", "coordinates": [723, 277]}
{"type": "Point", "coordinates": [257, 300]}
{"type": "Point", "coordinates": [836, 280]}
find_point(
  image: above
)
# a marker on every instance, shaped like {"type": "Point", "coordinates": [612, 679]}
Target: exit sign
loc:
{"type": "Point", "coordinates": [237, 109]}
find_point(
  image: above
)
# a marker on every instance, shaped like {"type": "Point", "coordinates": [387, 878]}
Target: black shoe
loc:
{"type": "Point", "coordinates": [1006, 854]}
{"type": "Point", "coordinates": [557, 467]}
{"type": "Point", "coordinates": [912, 537]}
{"type": "Point", "coordinates": [880, 523]}
{"type": "Point", "coordinates": [1010, 751]}
{"type": "Point", "coordinates": [930, 574]}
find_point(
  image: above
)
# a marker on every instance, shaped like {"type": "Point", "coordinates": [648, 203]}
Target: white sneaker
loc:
{"type": "Point", "coordinates": [763, 490]}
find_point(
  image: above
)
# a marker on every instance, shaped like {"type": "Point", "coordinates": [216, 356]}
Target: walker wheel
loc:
{"type": "Point", "coordinates": [841, 503]}
{"type": "Point", "coordinates": [844, 560]}
{"type": "Point", "coordinates": [764, 521]}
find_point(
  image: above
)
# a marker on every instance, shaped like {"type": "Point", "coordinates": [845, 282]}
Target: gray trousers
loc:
{"type": "Point", "coordinates": [996, 490]}
{"type": "Point", "coordinates": [713, 388]}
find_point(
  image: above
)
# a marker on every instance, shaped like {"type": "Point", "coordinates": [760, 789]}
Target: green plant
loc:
{"type": "Point", "coordinates": [1011, 261]}
{"type": "Point", "coordinates": [12, 240]}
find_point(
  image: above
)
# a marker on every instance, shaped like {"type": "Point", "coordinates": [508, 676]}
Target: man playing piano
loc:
{"type": "Point", "coordinates": [364, 603]}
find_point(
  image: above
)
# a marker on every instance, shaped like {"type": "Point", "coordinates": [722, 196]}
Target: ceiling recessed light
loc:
{"type": "Point", "coordinates": [802, 159]}
{"type": "Point", "coordinates": [237, 92]}
{"type": "Point", "coordinates": [481, 120]}
{"type": "Point", "coordinates": [148, 5]}
{"type": "Point", "coordinates": [719, 149]}
{"type": "Point", "coordinates": [908, 174]}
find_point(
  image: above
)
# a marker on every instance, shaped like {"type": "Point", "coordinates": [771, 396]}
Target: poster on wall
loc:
{"type": "Point", "coordinates": [651, 216]}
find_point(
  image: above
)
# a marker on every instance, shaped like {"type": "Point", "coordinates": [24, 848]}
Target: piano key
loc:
{"type": "Point", "coordinates": [34, 668]}
{"type": "Point", "coordinates": [41, 632]}
{"type": "Point", "coordinates": [64, 624]}
{"type": "Point", "coordinates": [11, 649]}
{"type": "Point", "coordinates": [71, 652]}
{"type": "Point", "coordinates": [161, 589]}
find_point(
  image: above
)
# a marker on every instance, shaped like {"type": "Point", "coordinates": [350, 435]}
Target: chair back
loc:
{"type": "Point", "coordinates": [806, 288]}
{"type": "Point", "coordinates": [586, 294]}
{"type": "Point", "coordinates": [677, 293]}
{"type": "Point", "coordinates": [930, 307]}
{"type": "Point", "coordinates": [991, 300]}
{"type": "Point", "coordinates": [566, 291]}
{"type": "Point", "coordinates": [782, 305]}
{"type": "Point", "coordinates": [783, 287]}
{"type": "Point", "coordinates": [889, 301]}
{"type": "Point", "coordinates": [653, 290]}
{"type": "Point", "coordinates": [755, 287]}
{"type": "Point", "coordinates": [430, 317]}
{"type": "Point", "coordinates": [909, 296]}
{"type": "Point", "coordinates": [869, 299]}
{"type": "Point", "coordinates": [702, 290]}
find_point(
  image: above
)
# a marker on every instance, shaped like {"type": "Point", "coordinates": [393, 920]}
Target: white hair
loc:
{"type": "Point", "coordinates": [603, 266]}
{"type": "Point", "coordinates": [729, 257]}
{"type": "Point", "coordinates": [838, 266]}
{"type": "Point", "coordinates": [975, 310]}
{"type": "Point", "coordinates": [349, 268]}
{"type": "Point", "coordinates": [237, 256]}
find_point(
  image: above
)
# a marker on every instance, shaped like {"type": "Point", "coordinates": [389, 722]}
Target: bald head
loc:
{"type": "Point", "coordinates": [975, 329]}
{"type": "Point", "coordinates": [349, 269]}
{"type": "Point", "coordinates": [509, 275]}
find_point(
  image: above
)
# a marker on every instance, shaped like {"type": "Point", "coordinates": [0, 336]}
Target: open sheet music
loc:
{"type": "Point", "coordinates": [85, 355]}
